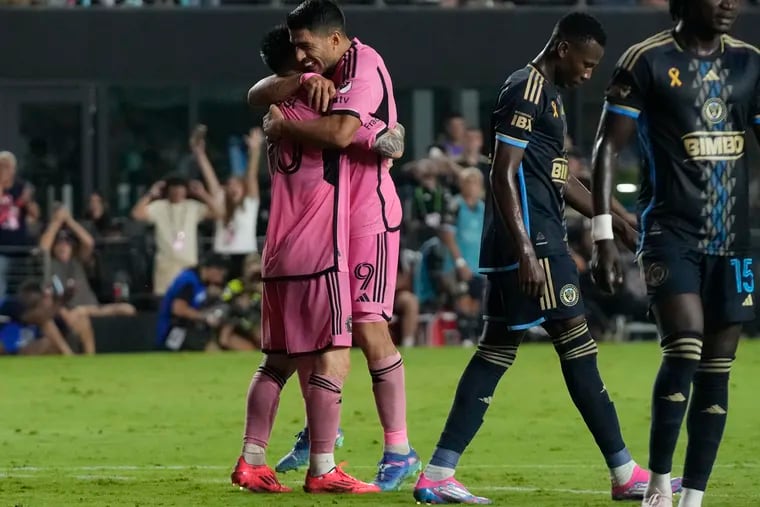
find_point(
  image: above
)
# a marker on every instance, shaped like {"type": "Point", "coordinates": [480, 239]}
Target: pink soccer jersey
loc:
{"type": "Point", "coordinates": [308, 230]}
{"type": "Point", "coordinates": [365, 91]}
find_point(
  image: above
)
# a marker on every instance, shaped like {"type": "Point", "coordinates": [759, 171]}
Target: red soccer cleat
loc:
{"type": "Point", "coordinates": [256, 478]}
{"type": "Point", "coordinates": [338, 481]}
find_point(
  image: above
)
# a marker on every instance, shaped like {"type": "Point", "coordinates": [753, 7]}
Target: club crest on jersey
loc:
{"type": "Point", "coordinates": [344, 87]}
{"type": "Point", "coordinates": [569, 295]}
{"type": "Point", "coordinates": [656, 274]}
{"type": "Point", "coordinates": [714, 111]}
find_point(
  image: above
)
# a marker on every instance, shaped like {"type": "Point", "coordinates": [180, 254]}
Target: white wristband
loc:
{"type": "Point", "coordinates": [460, 262]}
{"type": "Point", "coordinates": [601, 228]}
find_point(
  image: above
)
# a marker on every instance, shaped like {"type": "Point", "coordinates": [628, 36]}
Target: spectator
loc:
{"type": "Point", "coordinates": [428, 203]}
{"type": "Point", "coordinates": [16, 206]}
{"type": "Point", "coordinates": [472, 154]}
{"type": "Point", "coordinates": [182, 323]}
{"type": "Point", "coordinates": [453, 138]}
{"type": "Point", "coordinates": [405, 304]}
{"type": "Point", "coordinates": [29, 325]}
{"type": "Point", "coordinates": [68, 262]}
{"type": "Point", "coordinates": [235, 234]}
{"type": "Point", "coordinates": [97, 218]}
{"type": "Point", "coordinates": [241, 328]}
{"type": "Point", "coordinates": [461, 232]}
{"type": "Point", "coordinates": [176, 220]}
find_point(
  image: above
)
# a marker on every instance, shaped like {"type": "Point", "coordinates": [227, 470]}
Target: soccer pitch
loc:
{"type": "Point", "coordinates": [166, 429]}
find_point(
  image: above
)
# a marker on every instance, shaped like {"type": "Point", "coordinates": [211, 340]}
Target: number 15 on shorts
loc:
{"type": "Point", "coordinates": [745, 278]}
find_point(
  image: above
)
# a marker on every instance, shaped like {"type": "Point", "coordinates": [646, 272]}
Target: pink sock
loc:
{"type": "Point", "coordinates": [323, 400]}
{"type": "Point", "coordinates": [263, 400]}
{"type": "Point", "coordinates": [390, 398]}
{"type": "Point", "coordinates": [304, 374]}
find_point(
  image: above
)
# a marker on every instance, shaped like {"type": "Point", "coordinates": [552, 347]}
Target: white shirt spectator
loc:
{"type": "Point", "coordinates": [239, 235]}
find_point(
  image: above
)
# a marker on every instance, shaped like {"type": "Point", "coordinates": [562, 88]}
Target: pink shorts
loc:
{"type": "Point", "coordinates": [305, 316]}
{"type": "Point", "coordinates": [373, 264]}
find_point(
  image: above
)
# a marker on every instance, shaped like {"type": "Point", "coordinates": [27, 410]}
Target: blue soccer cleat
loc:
{"type": "Point", "coordinates": [298, 457]}
{"type": "Point", "coordinates": [394, 469]}
{"type": "Point", "coordinates": [446, 491]}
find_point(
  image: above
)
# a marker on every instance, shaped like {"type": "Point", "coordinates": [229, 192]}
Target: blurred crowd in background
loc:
{"type": "Point", "coordinates": [189, 252]}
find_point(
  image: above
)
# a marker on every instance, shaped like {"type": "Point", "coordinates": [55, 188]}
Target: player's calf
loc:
{"type": "Point", "coordinates": [681, 353]}
{"type": "Point", "coordinates": [705, 422]}
{"type": "Point", "coordinates": [263, 399]}
{"type": "Point", "coordinates": [473, 397]}
{"type": "Point", "coordinates": [577, 351]}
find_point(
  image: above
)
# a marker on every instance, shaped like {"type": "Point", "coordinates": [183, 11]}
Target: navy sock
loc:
{"type": "Point", "coordinates": [681, 355]}
{"type": "Point", "coordinates": [473, 396]}
{"type": "Point", "coordinates": [706, 420]}
{"type": "Point", "coordinates": [577, 352]}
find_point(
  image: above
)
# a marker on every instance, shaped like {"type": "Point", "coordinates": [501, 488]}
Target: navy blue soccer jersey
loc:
{"type": "Point", "coordinates": [693, 113]}
{"type": "Point", "coordinates": [529, 114]}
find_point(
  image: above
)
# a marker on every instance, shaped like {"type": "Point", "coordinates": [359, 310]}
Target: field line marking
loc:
{"type": "Point", "coordinates": [148, 468]}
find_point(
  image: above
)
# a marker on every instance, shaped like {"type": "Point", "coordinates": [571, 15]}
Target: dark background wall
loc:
{"type": "Point", "coordinates": [422, 47]}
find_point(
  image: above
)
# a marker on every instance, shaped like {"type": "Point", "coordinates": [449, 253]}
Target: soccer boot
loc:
{"type": "Point", "coordinates": [636, 486]}
{"type": "Point", "coordinates": [657, 499]}
{"type": "Point", "coordinates": [298, 457]}
{"type": "Point", "coordinates": [446, 491]}
{"type": "Point", "coordinates": [394, 469]}
{"type": "Point", "coordinates": [338, 481]}
{"type": "Point", "coordinates": [256, 478]}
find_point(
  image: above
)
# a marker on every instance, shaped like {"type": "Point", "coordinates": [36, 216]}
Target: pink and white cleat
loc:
{"type": "Point", "coordinates": [446, 491]}
{"type": "Point", "coordinates": [635, 488]}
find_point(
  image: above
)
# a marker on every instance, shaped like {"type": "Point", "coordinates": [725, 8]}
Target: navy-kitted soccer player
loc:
{"type": "Point", "coordinates": [691, 93]}
{"type": "Point", "coordinates": [532, 279]}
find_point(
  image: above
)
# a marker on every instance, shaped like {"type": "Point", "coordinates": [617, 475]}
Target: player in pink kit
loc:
{"type": "Point", "coordinates": [305, 269]}
{"type": "Point", "coordinates": [364, 95]}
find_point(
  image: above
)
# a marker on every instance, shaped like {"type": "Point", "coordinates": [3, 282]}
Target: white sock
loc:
{"type": "Point", "coordinates": [622, 474]}
{"type": "Point", "coordinates": [254, 454]}
{"type": "Point", "coordinates": [402, 449]}
{"type": "Point", "coordinates": [436, 473]}
{"type": "Point", "coordinates": [320, 464]}
{"type": "Point", "coordinates": [691, 498]}
{"type": "Point", "coordinates": [408, 341]}
{"type": "Point", "coordinates": [661, 483]}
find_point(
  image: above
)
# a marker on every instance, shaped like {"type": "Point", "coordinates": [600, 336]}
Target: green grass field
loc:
{"type": "Point", "coordinates": [166, 429]}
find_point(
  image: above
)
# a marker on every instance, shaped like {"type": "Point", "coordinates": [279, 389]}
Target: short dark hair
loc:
{"type": "Point", "coordinates": [580, 27]}
{"type": "Point", "coordinates": [29, 294]}
{"type": "Point", "coordinates": [277, 52]}
{"type": "Point", "coordinates": [677, 9]}
{"type": "Point", "coordinates": [214, 260]}
{"type": "Point", "coordinates": [175, 180]}
{"type": "Point", "coordinates": [317, 16]}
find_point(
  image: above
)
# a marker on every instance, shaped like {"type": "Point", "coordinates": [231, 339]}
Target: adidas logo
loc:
{"type": "Point", "coordinates": [540, 237]}
{"type": "Point", "coordinates": [487, 400]}
{"type": "Point", "coordinates": [363, 298]}
{"type": "Point", "coordinates": [676, 397]}
{"type": "Point", "coordinates": [715, 410]}
{"type": "Point", "coordinates": [711, 76]}
{"type": "Point", "coordinates": [748, 301]}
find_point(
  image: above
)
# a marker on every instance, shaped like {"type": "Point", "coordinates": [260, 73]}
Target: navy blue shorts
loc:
{"type": "Point", "coordinates": [507, 304]}
{"type": "Point", "coordinates": [725, 284]}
